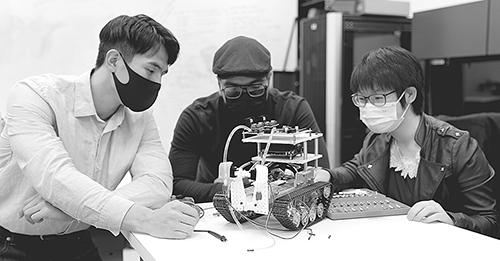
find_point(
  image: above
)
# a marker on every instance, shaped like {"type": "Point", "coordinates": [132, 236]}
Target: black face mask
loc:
{"type": "Point", "coordinates": [139, 93]}
{"type": "Point", "coordinates": [246, 105]}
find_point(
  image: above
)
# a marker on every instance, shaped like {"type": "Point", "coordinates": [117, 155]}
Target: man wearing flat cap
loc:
{"type": "Point", "coordinates": [243, 69]}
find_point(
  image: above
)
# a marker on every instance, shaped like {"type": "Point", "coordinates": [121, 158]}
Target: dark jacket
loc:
{"type": "Point", "coordinates": [453, 171]}
{"type": "Point", "coordinates": [203, 128]}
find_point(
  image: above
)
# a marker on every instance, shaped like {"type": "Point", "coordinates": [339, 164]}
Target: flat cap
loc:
{"type": "Point", "coordinates": [241, 56]}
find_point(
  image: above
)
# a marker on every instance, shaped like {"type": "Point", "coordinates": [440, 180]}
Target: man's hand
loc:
{"type": "Point", "coordinates": [427, 212]}
{"type": "Point", "coordinates": [36, 209]}
{"type": "Point", "coordinates": [174, 220]}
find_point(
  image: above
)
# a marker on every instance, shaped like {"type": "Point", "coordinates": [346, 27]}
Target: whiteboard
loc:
{"type": "Point", "coordinates": [61, 37]}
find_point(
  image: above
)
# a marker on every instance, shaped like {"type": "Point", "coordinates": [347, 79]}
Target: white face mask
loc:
{"type": "Point", "coordinates": [383, 119]}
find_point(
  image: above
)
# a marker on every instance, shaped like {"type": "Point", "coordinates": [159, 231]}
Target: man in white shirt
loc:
{"type": "Point", "coordinates": [69, 141]}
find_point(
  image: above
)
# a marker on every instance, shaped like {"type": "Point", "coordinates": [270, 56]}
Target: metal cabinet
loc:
{"type": "Point", "coordinates": [451, 32]}
{"type": "Point", "coordinates": [467, 30]}
{"type": "Point", "coordinates": [494, 28]}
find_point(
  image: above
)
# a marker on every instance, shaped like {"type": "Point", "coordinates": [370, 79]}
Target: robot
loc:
{"type": "Point", "coordinates": [281, 174]}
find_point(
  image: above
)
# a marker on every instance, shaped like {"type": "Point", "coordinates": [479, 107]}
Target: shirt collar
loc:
{"type": "Point", "coordinates": [84, 103]}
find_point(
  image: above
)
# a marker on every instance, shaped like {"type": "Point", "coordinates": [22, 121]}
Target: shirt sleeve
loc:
{"type": "Point", "coordinates": [41, 156]}
{"type": "Point", "coordinates": [151, 184]}
{"type": "Point", "coordinates": [2, 122]}
{"type": "Point", "coordinates": [184, 156]}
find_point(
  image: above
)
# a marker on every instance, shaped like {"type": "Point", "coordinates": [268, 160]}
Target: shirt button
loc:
{"type": "Point", "coordinates": [8, 239]}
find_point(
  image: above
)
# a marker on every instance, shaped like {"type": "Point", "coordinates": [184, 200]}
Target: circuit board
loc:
{"type": "Point", "coordinates": [280, 177]}
{"type": "Point", "coordinates": [360, 203]}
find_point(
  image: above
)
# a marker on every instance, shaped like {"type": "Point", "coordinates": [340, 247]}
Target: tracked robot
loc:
{"type": "Point", "coordinates": [281, 177]}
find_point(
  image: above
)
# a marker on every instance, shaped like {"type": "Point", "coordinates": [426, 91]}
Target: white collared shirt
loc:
{"type": "Point", "coordinates": [54, 144]}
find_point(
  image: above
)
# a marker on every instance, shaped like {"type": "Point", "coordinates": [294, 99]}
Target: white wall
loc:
{"type": "Point", "coordinates": [61, 37]}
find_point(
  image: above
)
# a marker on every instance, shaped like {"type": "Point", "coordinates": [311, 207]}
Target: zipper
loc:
{"type": "Point", "coordinates": [443, 170]}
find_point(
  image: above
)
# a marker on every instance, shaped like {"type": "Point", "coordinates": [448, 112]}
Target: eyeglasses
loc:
{"type": "Point", "coordinates": [375, 99]}
{"type": "Point", "coordinates": [254, 91]}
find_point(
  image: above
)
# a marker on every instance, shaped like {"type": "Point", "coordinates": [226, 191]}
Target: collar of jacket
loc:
{"type": "Point", "coordinates": [376, 160]}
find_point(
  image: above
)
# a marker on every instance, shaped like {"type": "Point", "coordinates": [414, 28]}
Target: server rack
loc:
{"type": "Point", "coordinates": [329, 47]}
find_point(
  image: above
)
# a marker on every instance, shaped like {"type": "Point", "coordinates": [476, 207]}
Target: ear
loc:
{"type": "Point", "coordinates": [112, 58]}
{"type": "Point", "coordinates": [269, 78]}
{"type": "Point", "coordinates": [269, 75]}
{"type": "Point", "coordinates": [411, 94]}
{"type": "Point", "coordinates": [221, 93]}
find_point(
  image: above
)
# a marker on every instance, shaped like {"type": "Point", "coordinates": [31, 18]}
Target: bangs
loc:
{"type": "Point", "coordinates": [367, 79]}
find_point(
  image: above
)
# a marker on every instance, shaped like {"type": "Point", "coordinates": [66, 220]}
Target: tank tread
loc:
{"type": "Point", "coordinates": [304, 206]}
{"type": "Point", "coordinates": [221, 202]}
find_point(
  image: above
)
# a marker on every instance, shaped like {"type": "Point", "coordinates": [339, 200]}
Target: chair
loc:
{"type": "Point", "coordinates": [485, 128]}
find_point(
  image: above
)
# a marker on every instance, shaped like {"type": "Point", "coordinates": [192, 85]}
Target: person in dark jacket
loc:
{"type": "Point", "coordinates": [243, 69]}
{"type": "Point", "coordinates": [437, 169]}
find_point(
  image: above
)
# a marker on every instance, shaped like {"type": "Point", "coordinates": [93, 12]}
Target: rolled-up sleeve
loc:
{"type": "Point", "coordinates": [152, 177]}
{"type": "Point", "coordinates": [46, 164]}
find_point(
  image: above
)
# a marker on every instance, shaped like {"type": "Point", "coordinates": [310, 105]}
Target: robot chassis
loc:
{"type": "Point", "coordinates": [295, 200]}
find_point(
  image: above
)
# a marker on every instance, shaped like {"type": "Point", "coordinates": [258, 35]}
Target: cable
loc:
{"type": "Point", "coordinates": [231, 211]}
{"type": "Point", "coordinates": [226, 147]}
{"type": "Point", "coordinates": [216, 235]}
{"type": "Point", "coordinates": [302, 228]}
{"type": "Point", "coordinates": [244, 165]}
{"type": "Point", "coordinates": [266, 226]}
{"type": "Point", "coordinates": [224, 159]}
{"type": "Point", "coordinates": [266, 150]}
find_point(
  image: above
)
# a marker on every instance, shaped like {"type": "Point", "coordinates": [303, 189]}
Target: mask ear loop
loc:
{"type": "Point", "coordinates": [406, 109]}
{"type": "Point", "coordinates": [404, 112]}
{"type": "Point", "coordinates": [400, 97]}
{"type": "Point", "coordinates": [407, 105]}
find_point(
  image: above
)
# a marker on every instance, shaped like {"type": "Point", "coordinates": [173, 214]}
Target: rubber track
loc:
{"type": "Point", "coordinates": [280, 208]}
{"type": "Point", "coordinates": [221, 205]}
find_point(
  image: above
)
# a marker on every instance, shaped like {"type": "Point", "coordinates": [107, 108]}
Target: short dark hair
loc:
{"type": "Point", "coordinates": [390, 68]}
{"type": "Point", "coordinates": [133, 35]}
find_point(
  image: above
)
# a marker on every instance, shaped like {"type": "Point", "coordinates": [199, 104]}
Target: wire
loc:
{"type": "Point", "coordinates": [253, 166]}
{"type": "Point", "coordinates": [244, 165]}
{"type": "Point", "coordinates": [232, 209]}
{"type": "Point", "coordinates": [302, 228]}
{"type": "Point", "coordinates": [226, 147]}
{"type": "Point", "coordinates": [215, 234]}
{"type": "Point", "coordinates": [224, 159]}
{"type": "Point", "coordinates": [236, 220]}
{"type": "Point", "coordinates": [266, 225]}
{"type": "Point", "coordinates": [266, 150]}
{"type": "Point", "coordinates": [209, 207]}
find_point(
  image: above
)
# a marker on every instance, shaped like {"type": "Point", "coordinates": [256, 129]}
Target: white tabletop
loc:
{"type": "Point", "coordinates": [381, 238]}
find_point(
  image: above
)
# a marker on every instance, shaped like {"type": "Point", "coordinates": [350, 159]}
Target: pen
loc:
{"type": "Point", "coordinates": [216, 235]}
